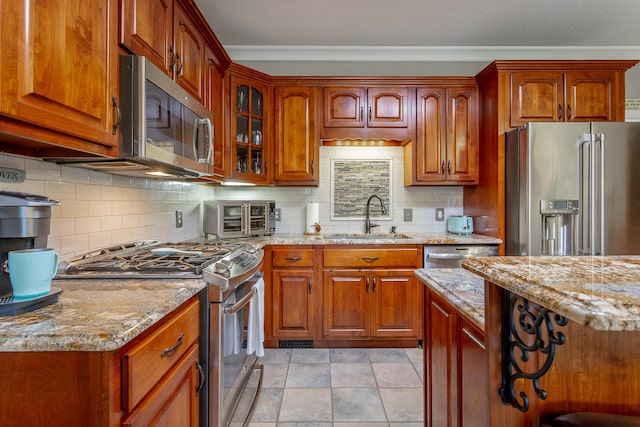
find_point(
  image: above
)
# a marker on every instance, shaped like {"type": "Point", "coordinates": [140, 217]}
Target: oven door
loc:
{"type": "Point", "coordinates": [238, 378]}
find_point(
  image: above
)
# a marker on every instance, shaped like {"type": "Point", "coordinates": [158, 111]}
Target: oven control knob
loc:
{"type": "Point", "coordinates": [222, 267]}
{"type": "Point", "coordinates": [251, 248]}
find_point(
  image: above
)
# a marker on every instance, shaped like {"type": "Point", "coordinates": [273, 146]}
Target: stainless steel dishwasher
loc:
{"type": "Point", "coordinates": [451, 256]}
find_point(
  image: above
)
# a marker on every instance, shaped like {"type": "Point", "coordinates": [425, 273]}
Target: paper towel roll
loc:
{"type": "Point", "coordinates": [313, 216]}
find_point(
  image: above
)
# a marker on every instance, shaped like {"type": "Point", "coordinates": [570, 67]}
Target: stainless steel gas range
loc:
{"type": "Point", "coordinates": [231, 270]}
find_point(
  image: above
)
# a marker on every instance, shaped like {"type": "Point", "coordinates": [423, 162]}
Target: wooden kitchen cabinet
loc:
{"type": "Point", "coordinates": [372, 294]}
{"type": "Point", "coordinates": [55, 99]}
{"type": "Point", "coordinates": [297, 140]}
{"type": "Point", "coordinates": [455, 367]}
{"type": "Point", "coordinates": [134, 385]}
{"type": "Point", "coordinates": [583, 80]}
{"type": "Point", "coordinates": [214, 85]}
{"type": "Point", "coordinates": [555, 96]}
{"type": "Point", "coordinates": [295, 294]}
{"type": "Point", "coordinates": [446, 148]}
{"type": "Point", "coordinates": [359, 107]}
{"type": "Point", "coordinates": [189, 69]}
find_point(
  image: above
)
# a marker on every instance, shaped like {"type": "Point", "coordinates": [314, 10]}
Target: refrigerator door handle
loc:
{"type": "Point", "coordinates": [585, 172]}
{"type": "Point", "coordinates": [598, 194]}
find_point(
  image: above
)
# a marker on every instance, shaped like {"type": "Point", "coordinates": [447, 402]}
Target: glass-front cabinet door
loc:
{"type": "Point", "coordinates": [248, 129]}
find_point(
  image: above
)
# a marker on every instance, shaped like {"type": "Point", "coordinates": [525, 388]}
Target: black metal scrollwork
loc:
{"type": "Point", "coordinates": [528, 328]}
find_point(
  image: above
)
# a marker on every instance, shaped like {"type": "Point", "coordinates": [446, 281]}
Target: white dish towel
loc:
{"type": "Point", "coordinates": [255, 328]}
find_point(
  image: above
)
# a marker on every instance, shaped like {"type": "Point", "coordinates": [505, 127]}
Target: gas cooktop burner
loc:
{"type": "Point", "coordinates": [137, 259]}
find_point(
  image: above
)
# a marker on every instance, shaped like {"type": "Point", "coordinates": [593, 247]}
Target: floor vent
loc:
{"type": "Point", "coordinates": [296, 343]}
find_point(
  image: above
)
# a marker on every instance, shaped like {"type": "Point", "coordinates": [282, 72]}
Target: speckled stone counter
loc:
{"type": "Point", "coordinates": [95, 315]}
{"type": "Point", "coordinates": [460, 288]}
{"type": "Point", "coordinates": [602, 293]}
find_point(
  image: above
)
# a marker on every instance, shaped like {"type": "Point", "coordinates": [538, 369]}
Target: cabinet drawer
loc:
{"type": "Point", "coordinates": [146, 363]}
{"type": "Point", "coordinates": [406, 257]}
{"type": "Point", "coordinates": [292, 257]}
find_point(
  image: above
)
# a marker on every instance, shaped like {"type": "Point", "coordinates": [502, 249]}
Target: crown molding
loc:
{"type": "Point", "coordinates": [428, 53]}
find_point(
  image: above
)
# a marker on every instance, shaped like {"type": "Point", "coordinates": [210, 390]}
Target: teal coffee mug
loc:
{"type": "Point", "coordinates": [31, 271]}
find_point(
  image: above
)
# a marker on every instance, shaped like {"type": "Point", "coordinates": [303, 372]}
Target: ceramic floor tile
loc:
{"type": "Point", "coordinates": [387, 355]}
{"type": "Point", "coordinates": [304, 425]}
{"type": "Point", "coordinates": [352, 375]}
{"type": "Point", "coordinates": [403, 404]}
{"type": "Point", "coordinates": [310, 355]}
{"type": "Point", "coordinates": [365, 424]}
{"type": "Point", "coordinates": [414, 354]}
{"type": "Point", "coordinates": [357, 404]}
{"type": "Point", "coordinates": [406, 425]}
{"type": "Point", "coordinates": [349, 355]}
{"type": "Point", "coordinates": [274, 375]}
{"type": "Point", "coordinates": [259, 425]}
{"type": "Point", "coordinates": [275, 355]}
{"type": "Point", "coordinates": [396, 375]}
{"type": "Point", "coordinates": [268, 405]}
{"type": "Point", "coordinates": [305, 375]}
{"type": "Point", "coordinates": [306, 404]}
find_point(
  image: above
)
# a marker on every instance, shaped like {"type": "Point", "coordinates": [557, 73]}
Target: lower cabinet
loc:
{"type": "Point", "coordinates": [455, 368]}
{"type": "Point", "coordinates": [152, 381]}
{"type": "Point", "coordinates": [368, 295]}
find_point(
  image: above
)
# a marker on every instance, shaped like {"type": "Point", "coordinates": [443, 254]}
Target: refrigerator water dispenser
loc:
{"type": "Point", "coordinates": [559, 226]}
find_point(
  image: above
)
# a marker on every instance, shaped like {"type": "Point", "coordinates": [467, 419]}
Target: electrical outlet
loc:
{"type": "Point", "coordinates": [408, 214]}
{"type": "Point", "coordinates": [278, 213]}
{"type": "Point", "coordinates": [178, 219]}
{"type": "Point", "coordinates": [439, 214]}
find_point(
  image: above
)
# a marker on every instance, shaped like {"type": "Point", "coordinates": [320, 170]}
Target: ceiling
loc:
{"type": "Point", "coordinates": [477, 31]}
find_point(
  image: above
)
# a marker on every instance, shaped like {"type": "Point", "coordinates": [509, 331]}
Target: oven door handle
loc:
{"type": "Point", "coordinates": [449, 256]}
{"type": "Point", "coordinates": [240, 304]}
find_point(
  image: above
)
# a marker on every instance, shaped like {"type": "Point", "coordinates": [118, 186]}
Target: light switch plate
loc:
{"type": "Point", "coordinates": [439, 214]}
{"type": "Point", "coordinates": [178, 219]}
{"type": "Point", "coordinates": [278, 213]}
{"type": "Point", "coordinates": [408, 214]}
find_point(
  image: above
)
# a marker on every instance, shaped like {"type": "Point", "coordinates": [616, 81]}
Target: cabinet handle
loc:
{"type": "Point", "coordinates": [116, 125]}
{"type": "Point", "coordinates": [366, 287]}
{"type": "Point", "coordinates": [560, 112]}
{"type": "Point", "coordinates": [361, 113]}
{"type": "Point", "coordinates": [170, 350]}
{"type": "Point", "coordinates": [313, 166]}
{"type": "Point", "coordinates": [266, 167]}
{"type": "Point", "coordinates": [310, 284]}
{"type": "Point", "coordinates": [173, 59]}
{"type": "Point", "coordinates": [370, 112]}
{"type": "Point", "coordinates": [569, 112]}
{"type": "Point", "coordinates": [200, 377]}
{"type": "Point", "coordinates": [442, 167]}
{"type": "Point", "coordinates": [375, 283]}
{"type": "Point", "coordinates": [293, 258]}
{"type": "Point", "coordinates": [449, 166]}
{"type": "Point", "coordinates": [370, 258]}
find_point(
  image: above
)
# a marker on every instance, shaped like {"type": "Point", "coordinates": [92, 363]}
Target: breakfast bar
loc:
{"type": "Point", "coordinates": [562, 334]}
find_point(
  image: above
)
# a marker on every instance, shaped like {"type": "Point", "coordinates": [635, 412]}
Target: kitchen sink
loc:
{"type": "Point", "coordinates": [363, 236]}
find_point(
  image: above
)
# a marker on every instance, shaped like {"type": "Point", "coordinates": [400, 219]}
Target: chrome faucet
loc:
{"type": "Point", "coordinates": [368, 225]}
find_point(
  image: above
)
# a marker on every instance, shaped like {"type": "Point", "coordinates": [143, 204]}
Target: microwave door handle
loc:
{"type": "Point", "coordinates": [209, 138]}
{"type": "Point", "coordinates": [196, 138]}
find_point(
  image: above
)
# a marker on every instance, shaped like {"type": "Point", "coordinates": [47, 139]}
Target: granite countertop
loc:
{"type": "Point", "coordinates": [602, 293]}
{"type": "Point", "coordinates": [377, 239]}
{"type": "Point", "coordinates": [95, 315]}
{"type": "Point", "coordinates": [460, 288]}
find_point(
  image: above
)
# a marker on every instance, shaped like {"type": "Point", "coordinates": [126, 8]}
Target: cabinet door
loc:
{"type": "Point", "coordinates": [146, 29]}
{"type": "Point", "coordinates": [175, 401]}
{"type": "Point", "coordinates": [462, 134]}
{"type": "Point", "coordinates": [432, 131]}
{"type": "Point", "coordinates": [590, 96]}
{"type": "Point", "coordinates": [536, 96]}
{"type": "Point", "coordinates": [396, 304]}
{"type": "Point", "coordinates": [59, 69]}
{"type": "Point", "coordinates": [440, 371]}
{"type": "Point", "coordinates": [296, 136]}
{"type": "Point", "coordinates": [387, 107]}
{"type": "Point", "coordinates": [189, 51]}
{"type": "Point", "coordinates": [346, 295]}
{"type": "Point", "coordinates": [293, 303]}
{"type": "Point", "coordinates": [344, 107]}
{"type": "Point", "coordinates": [214, 95]}
{"type": "Point", "coordinates": [473, 401]}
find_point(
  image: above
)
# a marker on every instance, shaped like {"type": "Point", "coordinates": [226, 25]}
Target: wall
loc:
{"type": "Point", "coordinates": [292, 201]}
{"type": "Point", "coordinates": [99, 210]}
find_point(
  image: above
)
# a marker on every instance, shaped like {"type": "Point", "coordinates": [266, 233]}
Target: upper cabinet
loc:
{"type": "Point", "coordinates": [162, 31]}
{"type": "Point", "coordinates": [297, 141]}
{"type": "Point", "coordinates": [558, 96]}
{"type": "Point", "coordinates": [445, 150]}
{"type": "Point", "coordinates": [249, 137]}
{"type": "Point", "coordinates": [58, 78]}
{"type": "Point", "coordinates": [366, 107]}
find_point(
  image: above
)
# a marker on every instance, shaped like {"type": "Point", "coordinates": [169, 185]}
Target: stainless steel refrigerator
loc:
{"type": "Point", "coordinates": [573, 189]}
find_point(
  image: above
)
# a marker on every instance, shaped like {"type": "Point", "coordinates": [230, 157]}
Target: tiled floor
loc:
{"type": "Point", "coordinates": [341, 388]}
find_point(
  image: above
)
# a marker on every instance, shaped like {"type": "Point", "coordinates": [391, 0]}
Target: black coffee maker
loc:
{"type": "Point", "coordinates": [24, 224]}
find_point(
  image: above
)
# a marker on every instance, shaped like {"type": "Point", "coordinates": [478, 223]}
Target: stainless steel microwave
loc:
{"type": "Point", "coordinates": [236, 218]}
{"type": "Point", "coordinates": [164, 130]}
